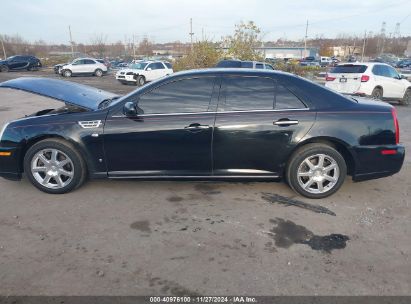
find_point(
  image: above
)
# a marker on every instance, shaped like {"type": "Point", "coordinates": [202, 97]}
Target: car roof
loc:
{"type": "Point", "coordinates": [363, 63]}
{"type": "Point", "coordinates": [237, 71]}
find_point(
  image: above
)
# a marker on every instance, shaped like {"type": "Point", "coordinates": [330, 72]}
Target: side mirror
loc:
{"type": "Point", "coordinates": [130, 109]}
{"type": "Point", "coordinates": [403, 77]}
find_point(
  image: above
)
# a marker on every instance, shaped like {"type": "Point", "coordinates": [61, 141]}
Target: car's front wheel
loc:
{"type": "Point", "coordinates": [54, 166]}
{"type": "Point", "coordinates": [67, 73]}
{"type": "Point", "coordinates": [406, 100]}
{"type": "Point", "coordinates": [316, 171]}
{"type": "Point", "coordinates": [141, 80]}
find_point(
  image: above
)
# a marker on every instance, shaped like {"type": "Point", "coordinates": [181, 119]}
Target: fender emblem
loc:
{"type": "Point", "coordinates": [90, 124]}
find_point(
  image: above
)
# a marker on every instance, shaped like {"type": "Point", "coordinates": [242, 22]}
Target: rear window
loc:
{"type": "Point", "coordinates": [349, 68]}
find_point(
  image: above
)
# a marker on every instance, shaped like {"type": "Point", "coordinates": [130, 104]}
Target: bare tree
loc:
{"type": "Point", "coordinates": [98, 42]}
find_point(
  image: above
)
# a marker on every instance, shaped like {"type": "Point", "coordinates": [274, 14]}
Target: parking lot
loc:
{"type": "Point", "coordinates": [201, 238]}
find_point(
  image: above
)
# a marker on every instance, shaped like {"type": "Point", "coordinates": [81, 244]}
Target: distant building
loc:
{"type": "Point", "coordinates": [346, 50]}
{"type": "Point", "coordinates": [289, 52]}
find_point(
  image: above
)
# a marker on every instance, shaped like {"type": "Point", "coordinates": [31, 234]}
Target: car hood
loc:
{"type": "Point", "coordinates": [129, 70]}
{"type": "Point", "coordinates": [71, 93]}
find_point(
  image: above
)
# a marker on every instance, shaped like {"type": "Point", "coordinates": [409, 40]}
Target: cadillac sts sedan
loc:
{"type": "Point", "coordinates": [216, 124]}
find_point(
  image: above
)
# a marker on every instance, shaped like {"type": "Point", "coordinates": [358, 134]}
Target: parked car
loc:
{"type": "Point", "coordinates": [244, 64]}
{"type": "Point", "coordinates": [105, 62]}
{"type": "Point", "coordinates": [144, 71]}
{"type": "Point", "coordinates": [84, 66]}
{"type": "Point", "coordinates": [404, 63]}
{"type": "Point", "coordinates": [20, 62]}
{"type": "Point", "coordinates": [377, 80]}
{"type": "Point", "coordinates": [213, 124]}
{"type": "Point", "coordinates": [57, 67]}
{"type": "Point", "coordinates": [325, 61]}
{"type": "Point", "coordinates": [310, 63]}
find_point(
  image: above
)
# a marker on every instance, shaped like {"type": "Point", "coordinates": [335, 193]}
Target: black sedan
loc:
{"type": "Point", "coordinates": [15, 63]}
{"type": "Point", "coordinates": [215, 124]}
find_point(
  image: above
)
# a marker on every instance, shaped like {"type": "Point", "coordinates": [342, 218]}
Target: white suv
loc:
{"type": "Point", "coordinates": [374, 79]}
{"type": "Point", "coordinates": [83, 66]}
{"type": "Point", "coordinates": [142, 72]}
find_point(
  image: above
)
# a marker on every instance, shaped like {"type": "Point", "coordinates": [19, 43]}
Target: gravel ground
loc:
{"type": "Point", "coordinates": [177, 238]}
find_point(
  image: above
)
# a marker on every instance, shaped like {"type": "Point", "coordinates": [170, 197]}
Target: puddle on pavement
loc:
{"type": "Point", "coordinates": [143, 226]}
{"type": "Point", "coordinates": [287, 233]}
{"type": "Point", "coordinates": [283, 200]}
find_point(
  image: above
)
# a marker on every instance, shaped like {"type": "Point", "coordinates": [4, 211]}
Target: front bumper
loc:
{"type": "Point", "coordinates": [372, 163]}
{"type": "Point", "coordinates": [10, 165]}
{"type": "Point", "coordinates": [128, 78]}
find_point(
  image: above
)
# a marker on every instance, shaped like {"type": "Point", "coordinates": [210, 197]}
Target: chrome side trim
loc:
{"type": "Point", "coordinates": [223, 112]}
{"type": "Point", "coordinates": [196, 177]}
{"type": "Point", "coordinates": [286, 122]}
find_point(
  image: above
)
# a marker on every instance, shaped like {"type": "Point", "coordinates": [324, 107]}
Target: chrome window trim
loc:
{"type": "Point", "coordinates": [214, 112]}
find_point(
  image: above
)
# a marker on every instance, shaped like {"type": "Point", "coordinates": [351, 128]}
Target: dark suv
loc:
{"type": "Point", "coordinates": [23, 62]}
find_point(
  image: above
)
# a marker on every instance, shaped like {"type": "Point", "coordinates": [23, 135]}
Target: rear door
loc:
{"type": "Point", "coordinates": [258, 123]}
{"type": "Point", "coordinates": [18, 63]}
{"type": "Point", "coordinates": [346, 78]}
{"type": "Point", "coordinates": [89, 66]}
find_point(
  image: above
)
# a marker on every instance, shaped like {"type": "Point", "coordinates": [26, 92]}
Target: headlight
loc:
{"type": "Point", "coordinates": [2, 130]}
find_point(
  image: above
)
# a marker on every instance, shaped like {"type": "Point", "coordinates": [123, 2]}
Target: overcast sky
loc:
{"type": "Point", "coordinates": [168, 20]}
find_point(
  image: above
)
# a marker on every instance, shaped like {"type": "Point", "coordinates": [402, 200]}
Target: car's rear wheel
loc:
{"type": "Point", "coordinates": [141, 80]}
{"type": "Point", "coordinates": [98, 73]}
{"type": "Point", "coordinates": [316, 171]}
{"type": "Point", "coordinates": [4, 68]}
{"type": "Point", "coordinates": [67, 73]}
{"type": "Point", "coordinates": [377, 93]}
{"type": "Point", "coordinates": [406, 100]}
{"type": "Point", "coordinates": [54, 166]}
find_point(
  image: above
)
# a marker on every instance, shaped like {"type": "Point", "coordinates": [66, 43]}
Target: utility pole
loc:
{"type": "Point", "coordinates": [4, 50]}
{"type": "Point", "coordinates": [191, 32]}
{"type": "Point", "coordinates": [134, 48]}
{"type": "Point", "coordinates": [71, 42]}
{"type": "Point", "coordinates": [363, 46]}
{"type": "Point", "coordinates": [305, 39]}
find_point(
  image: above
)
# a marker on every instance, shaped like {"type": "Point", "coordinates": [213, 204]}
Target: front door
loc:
{"type": "Point", "coordinates": [258, 123]}
{"type": "Point", "coordinates": [172, 136]}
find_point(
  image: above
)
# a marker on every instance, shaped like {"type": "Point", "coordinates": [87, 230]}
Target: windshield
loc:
{"type": "Point", "coordinates": [138, 66]}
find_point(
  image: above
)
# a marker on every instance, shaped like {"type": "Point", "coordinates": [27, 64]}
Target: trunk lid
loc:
{"type": "Point", "coordinates": [347, 78]}
{"type": "Point", "coordinates": [69, 92]}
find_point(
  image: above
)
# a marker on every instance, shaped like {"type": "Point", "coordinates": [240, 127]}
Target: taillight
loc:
{"type": "Point", "coordinates": [365, 78]}
{"type": "Point", "coordinates": [396, 125]}
{"type": "Point", "coordinates": [329, 78]}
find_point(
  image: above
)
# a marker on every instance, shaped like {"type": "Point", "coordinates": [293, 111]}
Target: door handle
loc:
{"type": "Point", "coordinates": [285, 122]}
{"type": "Point", "coordinates": [196, 127]}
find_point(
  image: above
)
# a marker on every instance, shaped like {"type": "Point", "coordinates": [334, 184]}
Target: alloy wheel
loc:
{"type": "Point", "coordinates": [318, 174]}
{"type": "Point", "coordinates": [52, 168]}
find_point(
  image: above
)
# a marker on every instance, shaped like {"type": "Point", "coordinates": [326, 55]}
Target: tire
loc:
{"type": "Point", "coordinates": [141, 80]}
{"type": "Point", "coordinates": [98, 73]}
{"type": "Point", "coordinates": [55, 166]}
{"type": "Point", "coordinates": [67, 73]}
{"type": "Point", "coordinates": [307, 179]}
{"type": "Point", "coordinates": [377, 93]}
{"type": "Point", "coordinates": [406, 100]}
{"type": "Point", "coordinates": [4, 68]}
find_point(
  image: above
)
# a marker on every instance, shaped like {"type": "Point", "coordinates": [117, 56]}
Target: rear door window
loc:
{"type": "Point", "coordinates": [259, 66]}
{"type": "Point", "coordinates": [285, 99]}
{"type": "Point", "coordinates": [247, 93]}
{"type": "Point", "coordinates": [88, 61]}
{"type": "Point", "coordinates": [349, 68]}
{"type": "Point", "coordinates": [247, 64]}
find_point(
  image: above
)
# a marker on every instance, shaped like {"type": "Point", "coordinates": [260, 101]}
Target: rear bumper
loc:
{"type": "Point", "coordinates": [10, 167]}
{"type": "Point", "coordinates": [372, 163]}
